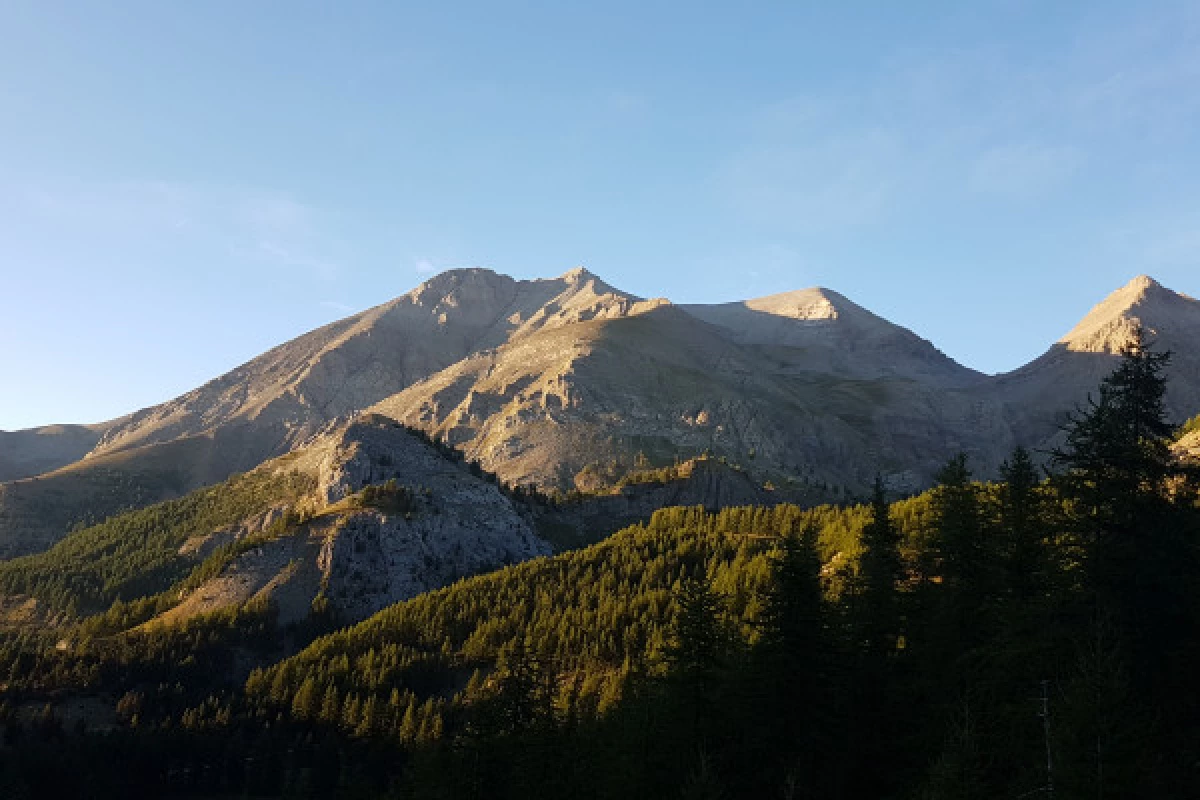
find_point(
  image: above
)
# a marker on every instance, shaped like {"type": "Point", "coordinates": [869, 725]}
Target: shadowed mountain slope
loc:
{"type": "Point", "coordinates": [36, 450]}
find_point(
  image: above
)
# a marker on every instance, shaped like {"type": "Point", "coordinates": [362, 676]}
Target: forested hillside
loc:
{"type": "Point", "coordinates": [1031, 637]}
{"type": "Point", "coordinates": [138, 553]}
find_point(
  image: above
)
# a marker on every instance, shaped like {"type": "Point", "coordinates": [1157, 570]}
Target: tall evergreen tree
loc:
{"type": "Point", "coordinates": [793, 656]}
{"type": "Point", "coordinates": [697, 653]}
{"type": "Point", "coordinates": [1133, 511]}
{"type": "Point", "coordinates": [872, 686]}
{"type": "Point", "coordinates": [1134, 508]}
{"type": "Point", "coordinates": [965, 560]}
{"type": "Point", "coordinates": [1022, 527]}
{"type": "Point", "coordinates": [874, 590]}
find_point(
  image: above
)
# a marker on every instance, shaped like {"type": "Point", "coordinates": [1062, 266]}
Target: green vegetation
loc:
{"type": "Point", "coordinates": [137, 553]}
{"type": "Point", "coordinates": [386, 497]}
{"type": "Point", "coordinates": [899, 650]}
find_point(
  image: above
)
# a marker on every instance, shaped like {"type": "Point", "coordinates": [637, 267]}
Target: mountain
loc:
{"type": "Point", "coordinates": [558, 407]}
{"type": "Point", "coordinates": [1038, 396]}
{"type": "Point", "coordinates": [272, 403]}
{"type": "Point", "coordinates": [569, 384]}
{"type": "Point", "coordinates": [278, 401]}
{"type": "Point", "coordinates": [351, 613]}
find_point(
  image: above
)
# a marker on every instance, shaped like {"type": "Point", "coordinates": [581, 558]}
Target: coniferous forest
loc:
{"type": "Point", "coordinates": [1035, 636]}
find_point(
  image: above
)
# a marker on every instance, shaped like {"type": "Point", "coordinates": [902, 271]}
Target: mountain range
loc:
{"type": "Point", "coordinates": [571, 385]}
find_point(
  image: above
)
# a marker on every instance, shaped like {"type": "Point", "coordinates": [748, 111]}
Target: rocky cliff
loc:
{"type": "Point", "coordinates": [354, 556]}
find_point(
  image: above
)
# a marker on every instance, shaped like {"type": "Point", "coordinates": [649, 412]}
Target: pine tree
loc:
{"type": "Point", "coordinates": [793, 653]}
{"type": "Point", "coordinates": [305, 704]}
{"type": "Point", "coordinates": [1134, 514]}
{"type": "Point", "coordinates": [351, 712]}
{"type": "Point", "coordinates": [1022, 528]}
{"type": "Point", "coordinates": [792, 623]}
{"type": "Point", "coordinates": [870, 680]}
{"type": "Point", "coordinates": [521, 689]}
{"type": "Point", "coordinates": [331, 705]}
{"type": "Point", "coordinates": [874, 589]}
{"type": "Point", "coordinates": [369, 717]}
{"type": "Point", "coordinates": [1134, 509]}
{"type": "Point", "coordinates": [697, 652]}
{"type": "Point", "coordinates": [409, 726]}
{"type": "Point", "coordinates": [969, 567]}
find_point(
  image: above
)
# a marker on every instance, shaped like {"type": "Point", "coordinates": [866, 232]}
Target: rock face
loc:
{"type": "Point", "coordinates": [280, 400]}
{"type": "Point", "coordinates": [1188, 447]}
{"type": "Point", "coordinates": [358, 559]}
{"type": "Point", "coordinates": [285, 396]}
{"type": "Point", "coordinates": [664, 384]}
{"type": "Point", "coordinates": [553, 382]}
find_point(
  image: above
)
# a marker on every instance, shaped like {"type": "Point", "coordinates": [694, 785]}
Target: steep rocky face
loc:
{"type": "Point", "coordinates": [361, 559]}
{"type": "Point", "coordinates": [663, 384]}
{"type": "Point", "coordinates": [1038, 396]}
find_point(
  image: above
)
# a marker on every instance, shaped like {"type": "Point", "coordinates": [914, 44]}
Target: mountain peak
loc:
{"type": "Point", "coordinates": [576, 275]}
{"type": "Point", "coordinates": [813, 304]}
{"type": "Point", "coordinates": [458, 276]}
{"type": "Point", "coordinates": [1141, 303]}
{"type": "Point", "coordinates": [1142, 283]}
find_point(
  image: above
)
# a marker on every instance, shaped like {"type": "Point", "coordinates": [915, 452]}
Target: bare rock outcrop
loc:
{"type": "Point", "coordinates": [356, 558]}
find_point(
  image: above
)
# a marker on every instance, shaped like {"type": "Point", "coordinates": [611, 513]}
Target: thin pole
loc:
{"type": "Point", "coordinates": [1046, 734]}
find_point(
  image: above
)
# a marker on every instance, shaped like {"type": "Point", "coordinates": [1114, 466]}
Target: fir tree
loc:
{"type": "Point", "coordinates": [1134, 514]}
{"type": "Point", "coordinates": [1022, 527]}
{"type": "Point", "coordinates": [697, 653]}
{"type": "Point", "coordinates": [1134, 508]}
{"type": "Point", "coordinates": [793, 655]}
{"type": "Point", "coordinates": [874, 591]}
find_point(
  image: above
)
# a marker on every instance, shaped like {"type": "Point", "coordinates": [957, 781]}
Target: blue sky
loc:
{"type": "Point", "coordinates": [184, 185]}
